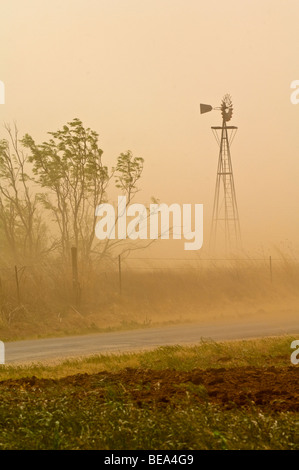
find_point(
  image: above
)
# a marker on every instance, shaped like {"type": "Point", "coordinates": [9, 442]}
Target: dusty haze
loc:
{"type": "Point", "coordinates": [136, 72]}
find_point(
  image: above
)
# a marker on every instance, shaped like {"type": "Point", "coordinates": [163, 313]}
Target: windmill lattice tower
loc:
{"type": "Point", "coordinates": [225, 218]}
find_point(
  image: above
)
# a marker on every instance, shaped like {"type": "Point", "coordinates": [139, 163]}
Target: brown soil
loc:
{"type": "Point", "coordinates": [275, 389]}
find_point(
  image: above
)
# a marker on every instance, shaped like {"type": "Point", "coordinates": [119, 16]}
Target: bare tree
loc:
{"type": "Point", "coordinates": [21, 223]}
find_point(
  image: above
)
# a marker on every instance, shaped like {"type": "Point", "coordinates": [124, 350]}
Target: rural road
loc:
{"type": "Point", "coordinates": [136, 340]}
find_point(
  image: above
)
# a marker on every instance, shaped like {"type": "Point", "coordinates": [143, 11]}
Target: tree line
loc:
{"type": "Point", "coordinates": [49, 192]}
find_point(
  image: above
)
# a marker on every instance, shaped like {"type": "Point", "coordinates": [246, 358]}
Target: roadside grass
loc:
{"type": "Point", "coordinates": [265, 352]}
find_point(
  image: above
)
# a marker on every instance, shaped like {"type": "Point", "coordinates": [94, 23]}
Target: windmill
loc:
{"type": "Point", "coordinates": [225, 218]}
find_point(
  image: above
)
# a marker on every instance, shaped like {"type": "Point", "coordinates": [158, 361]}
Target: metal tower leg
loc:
{"type": "Point", "coordinates": [225, 210]}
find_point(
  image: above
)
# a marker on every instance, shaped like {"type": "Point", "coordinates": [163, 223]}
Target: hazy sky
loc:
{"type": "Point", "coordinates": [136, 71]}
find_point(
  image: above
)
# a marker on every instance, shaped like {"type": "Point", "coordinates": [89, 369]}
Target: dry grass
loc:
{"type": "Point", "coordinates": [265, 352]}
{"type": "Point", "coordinates": [185, 293]}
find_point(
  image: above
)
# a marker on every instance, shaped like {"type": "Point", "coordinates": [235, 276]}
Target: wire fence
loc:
{"type": "Point", "coordinates": [164, 263]}
{"type": "Point", "coordinates": [31, 289]}
{"type": "Point", "coordinates": [72, 278]}
{"type": "Point", "coordinates": [146, 263]}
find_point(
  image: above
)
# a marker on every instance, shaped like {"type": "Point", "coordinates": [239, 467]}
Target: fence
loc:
{"type": "Point", "coordinates": [34, 293]}
{"type": "Point", "coordinates": [15, 275]}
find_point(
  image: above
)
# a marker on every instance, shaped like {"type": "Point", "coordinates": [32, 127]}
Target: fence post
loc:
{"type": "Point", "coordinates": [119, 273]}
{"type": "Point", "coordinates": [75, 275]}
{"type": "Point", "coordinates": [18, 285]}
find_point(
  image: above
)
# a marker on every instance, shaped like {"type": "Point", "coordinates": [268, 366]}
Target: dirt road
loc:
{"type": "Point", "coordinates": [147, 338]}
